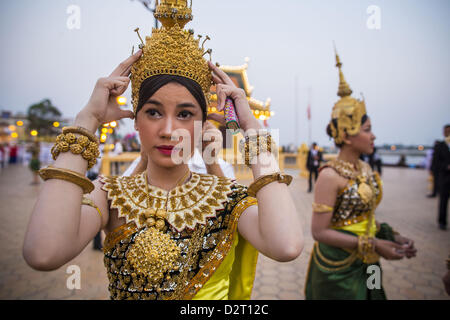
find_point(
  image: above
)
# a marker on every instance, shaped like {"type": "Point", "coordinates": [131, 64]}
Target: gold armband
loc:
{"type": "Point", "coordinates": [265, 180]}
{"type": "Point", "coordinates": [67, 175]}
{"type": "Point", "coordinates": [90, 203]}
{"type": "Point", "coordinates": [321, 208]}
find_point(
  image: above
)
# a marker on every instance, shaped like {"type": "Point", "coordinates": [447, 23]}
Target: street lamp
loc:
{"type": "Point", "coordinates": [34, 133]}
{"type": "Point", "coordinates": [121, 100]}
{"type": "Point", "coordinates": [56, 124]}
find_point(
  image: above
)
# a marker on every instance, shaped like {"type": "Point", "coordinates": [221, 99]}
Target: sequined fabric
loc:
{"type": "Point", "coordinates": [350, 207]}
{"type": "Point", "coordinates": [201, 248]}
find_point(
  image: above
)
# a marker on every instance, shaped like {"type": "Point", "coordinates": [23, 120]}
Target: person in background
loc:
{"type": "Point", "coordinates": [441, 163]}
{"type": "Point", "coordinates": [349, 241]}
{"type": "Point", "coordinates": [446, 278]}
{"type": "Point", "coordinates": [35, 163]}
{"type": "Point", "coordinates": [377, 162]}
{"type": "Point", "coordinates": [432, 170]}
{"type": "Point", "coordinates": [118, 149]}
{"type": "Point", "coordinates": [313, 163]}
{"type": "Point", "coordinates": [2, 156]}
{"type": "Point", "coordinates": [13, 153]}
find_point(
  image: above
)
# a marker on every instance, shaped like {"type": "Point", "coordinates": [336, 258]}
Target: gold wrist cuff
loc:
{"type": "Point", "coordinates": [67, 175]}
{"type": "Point", "coordinates": [265, 180]}
{"type": "Point", "coordinates": [366, 249]}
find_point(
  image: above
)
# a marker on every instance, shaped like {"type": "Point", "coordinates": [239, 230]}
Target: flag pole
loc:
{"type": "Point", "coordinates": [309, 116]}
{"type": "Point", "coordinates": [296, 110]}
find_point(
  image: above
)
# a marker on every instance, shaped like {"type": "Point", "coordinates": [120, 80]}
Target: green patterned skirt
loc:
{"type": "Point", "coordinates": [328, 279]}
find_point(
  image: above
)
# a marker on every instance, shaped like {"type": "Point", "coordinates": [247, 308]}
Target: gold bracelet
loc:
{"type": "Point", "coordinates": [321, 208]}
{"type": "Point", "coordinates": [81, 145]}
{"type": "Point", "coordinates": [366, 249]}
{"type": "Point", "coordinates": [82, 131]}
{"type": "Point", "coordinates": [253, 146]}
{"type": "Point", "coordinates": [265, 180]}
{"type": "Point", "coordinates": [67, 175]}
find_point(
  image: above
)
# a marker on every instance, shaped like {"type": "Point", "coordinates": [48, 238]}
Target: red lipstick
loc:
{"type": "Point", "coordinates": [165, 150]}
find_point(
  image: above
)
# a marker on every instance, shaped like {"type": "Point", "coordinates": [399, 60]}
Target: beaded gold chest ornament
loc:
{"type": "Point", "coordinates": [172, 50]}
{"type": "Point", "coordinates": [359, 174]}
{"type": "Point", "coordinates": [154, 252]}
{"type": "Point", "coordinates": [347, 112]}
{"type": "Point", "coordinates": [158, 215]}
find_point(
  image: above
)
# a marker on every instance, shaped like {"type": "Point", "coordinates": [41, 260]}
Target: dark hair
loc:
{"type": "Point", "coordinates": [335, 123]}
{"type": "Point", "coordinates": [447, 126]}
{"type": "Point", "coordinates": [151, 85]}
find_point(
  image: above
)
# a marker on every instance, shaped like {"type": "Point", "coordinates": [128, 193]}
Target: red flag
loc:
{"type": "Point", "coordinates": [308, 111]}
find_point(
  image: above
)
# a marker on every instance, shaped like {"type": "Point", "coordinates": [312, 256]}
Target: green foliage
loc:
{"type": "Point", "coordinates": [41, 117]}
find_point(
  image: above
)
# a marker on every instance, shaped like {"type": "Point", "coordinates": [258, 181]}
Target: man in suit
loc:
{"type": "Point", "coordinates": [313, 163]}
{"type": "Point", "coordinates": [441, 161]}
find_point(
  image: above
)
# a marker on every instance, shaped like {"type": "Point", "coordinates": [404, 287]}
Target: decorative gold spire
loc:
{"type": "Point", "coordinates": [347, 112]}
{"type": "Point", "coordinates": [172, 50]}
{"type": "Point", "coordinates": [344, 89]}
{"type": "Point", "coordinates": [170, 12]}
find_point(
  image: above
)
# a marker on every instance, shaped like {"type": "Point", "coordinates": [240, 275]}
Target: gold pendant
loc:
{"type": "Point", "coordinates": [365, 192]}
{"type": "Point", "coordinates": [153, 254]}
{"type": "Point", "coordinates": [155, 218]}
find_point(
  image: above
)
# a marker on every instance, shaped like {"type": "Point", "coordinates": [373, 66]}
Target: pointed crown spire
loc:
{"type": "Point", "coordinates": [344, 89]}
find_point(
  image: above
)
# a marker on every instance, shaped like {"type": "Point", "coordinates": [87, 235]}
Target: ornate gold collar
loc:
{"type": "Point", "coordinates": [360, 175]}
{"type": "Point", "coordinates": [348, 170]}
{"type": "Point", "coordinates": [187, 205]}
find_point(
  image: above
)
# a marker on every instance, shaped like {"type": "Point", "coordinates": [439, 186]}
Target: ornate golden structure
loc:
{"type": "Point", "coordinates": [172, 50]}
{"type": "Point", "coordinates": [261, 110]}
{"type": "Point", "coordinates": [347, 112]}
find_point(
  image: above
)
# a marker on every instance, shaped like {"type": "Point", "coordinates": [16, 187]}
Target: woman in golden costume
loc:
{"type": "Point", "coordinates": [344, 263]}
{"type": "Point", "coordinates": [171, 233]}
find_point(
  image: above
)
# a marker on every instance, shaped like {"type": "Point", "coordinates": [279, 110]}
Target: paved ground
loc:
{"type": "Point", "coordinates": [404, 206]}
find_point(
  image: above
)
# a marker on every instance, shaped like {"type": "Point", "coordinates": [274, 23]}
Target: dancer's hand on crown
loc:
{"type": "Point", "coordinates": [225, 87]}
{"type": "Point", "coordinates": [103, 106]}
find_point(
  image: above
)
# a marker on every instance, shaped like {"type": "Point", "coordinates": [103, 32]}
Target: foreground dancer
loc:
{"type": "Point", "coordinates": [348, 238]}
{"type": "Point", "coordinates": [171, 233]}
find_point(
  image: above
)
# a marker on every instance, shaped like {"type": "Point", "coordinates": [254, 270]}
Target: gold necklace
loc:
{"type": "Point", "coordinates": [355, 173]}
{"type": "Point", "coordinates": [156, 218]}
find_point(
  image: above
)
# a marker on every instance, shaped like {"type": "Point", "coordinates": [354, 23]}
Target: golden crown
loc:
{"type": "Point", "coordinates": [172, 50]}
{"type": "Point", "coordinates": [347, 112]}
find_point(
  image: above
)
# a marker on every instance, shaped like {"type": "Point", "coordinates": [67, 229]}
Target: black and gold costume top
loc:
{"type": "Point", "coordinates": [361, 195]}
{"type": "Point", "coordinates": [172, 242]}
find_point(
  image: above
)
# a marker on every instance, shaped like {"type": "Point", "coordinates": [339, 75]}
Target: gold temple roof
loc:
{"type": "Point", "coordinates": [238, 74]}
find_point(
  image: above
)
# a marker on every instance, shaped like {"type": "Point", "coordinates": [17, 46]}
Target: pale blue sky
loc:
{"type": "Point", "coordinates": [403, 69]}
